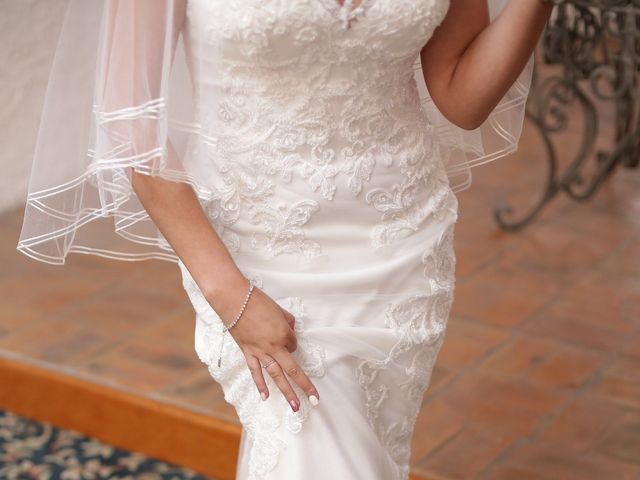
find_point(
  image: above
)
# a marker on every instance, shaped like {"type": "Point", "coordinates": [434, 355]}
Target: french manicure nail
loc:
{"type": "Point", "coordinates": [294, 405]}
{"type": "Point", "coordinates": [263, 396]}
{"type": "Point", "coordinates": [314, 400]}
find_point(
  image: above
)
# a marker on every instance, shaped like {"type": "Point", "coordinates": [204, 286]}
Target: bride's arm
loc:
{"type": "Point", "coordinates": [176, 211]}
{"type": "Point", "coordinates": [469, 63]}
{"type": "Point", "coordinates": [140, 38]}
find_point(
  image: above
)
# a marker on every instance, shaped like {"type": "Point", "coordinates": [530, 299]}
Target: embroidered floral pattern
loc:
{"type": "Point", "coordinates": [283, 228]}
{"type": "Point", "coordinates": [260, 421]}
{"type": "Point", "coordinates": [331, 116]}
{"type": "Point", "coordinates": [420, 323]}
{"type": "Point", "coordinates": [316, 104]}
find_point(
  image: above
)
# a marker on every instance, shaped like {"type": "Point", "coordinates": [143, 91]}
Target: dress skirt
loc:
{"type": "Point", "coordinates": [369, 322]}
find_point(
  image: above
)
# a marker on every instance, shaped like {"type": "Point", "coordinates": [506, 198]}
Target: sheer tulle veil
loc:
{"type": "Point", "coordinates": [497, 137]}
{"type": "Point", "coordinates": [121, 95]}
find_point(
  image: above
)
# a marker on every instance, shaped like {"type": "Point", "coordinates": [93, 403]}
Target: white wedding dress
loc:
{"type": "Point", "coordinates": [302, 129]}
{"type": "Point", "coordinates": [332, 197]}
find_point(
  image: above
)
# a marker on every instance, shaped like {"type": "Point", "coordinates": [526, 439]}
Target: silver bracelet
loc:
{"type": "Point", "coordinates": [227, 328]}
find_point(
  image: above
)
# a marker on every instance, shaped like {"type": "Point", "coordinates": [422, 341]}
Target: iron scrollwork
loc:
{"type": "Point", "coordinates": [596, 44]}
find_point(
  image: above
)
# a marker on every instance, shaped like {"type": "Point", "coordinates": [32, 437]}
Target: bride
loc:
{"type": "Point", "coordinates": [298, 160]}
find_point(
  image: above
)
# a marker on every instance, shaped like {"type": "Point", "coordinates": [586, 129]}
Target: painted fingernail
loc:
{"type": "Point", "coordinates": [294, 405]}
{"type": "Point", "coordinates": [314, 400]}
{"type": "Point", "coordinates": [263, 396]}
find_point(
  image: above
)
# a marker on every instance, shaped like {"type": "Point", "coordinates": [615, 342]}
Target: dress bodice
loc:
{"type": "Point", "coordinates": [326, 183]}
{"type": "Point", "coordinates": [309, 108]}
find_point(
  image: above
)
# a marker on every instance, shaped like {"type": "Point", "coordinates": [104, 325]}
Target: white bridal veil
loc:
{"type": "Point", "coordinates": [496, 137]}
{"type": "Point", "coordinates": [120, 95]}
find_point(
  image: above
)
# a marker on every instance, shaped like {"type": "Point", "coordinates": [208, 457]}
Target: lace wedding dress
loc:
{"type": "Point", "coordinates": [317, 163]}
{"type": "Point", "coordinates": [332, 197]}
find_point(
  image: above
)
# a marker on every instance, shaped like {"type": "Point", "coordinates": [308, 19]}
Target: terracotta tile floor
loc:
{"type": "Point", "coordinates": [539, 377]}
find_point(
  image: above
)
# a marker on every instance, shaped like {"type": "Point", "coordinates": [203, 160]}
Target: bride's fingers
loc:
{"type": "Point", "coordinates": [277, 374]}
{"type": "Point", "coordinates": [294, 371]}
{"type": "Point", "coordinates": [255, 367]}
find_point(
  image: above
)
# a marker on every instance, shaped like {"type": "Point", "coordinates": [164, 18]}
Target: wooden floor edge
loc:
{"type": "Point", "coordinates": [167, 432]}
{"type": "Point", "coordinates": [161, 430]}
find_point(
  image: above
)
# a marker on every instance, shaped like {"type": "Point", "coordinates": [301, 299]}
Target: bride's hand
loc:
{"type": "Point", "coordinates": [265, 332]}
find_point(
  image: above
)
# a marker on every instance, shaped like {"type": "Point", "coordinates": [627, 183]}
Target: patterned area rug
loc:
{"type": "Point", "coordinates": [40, 451]}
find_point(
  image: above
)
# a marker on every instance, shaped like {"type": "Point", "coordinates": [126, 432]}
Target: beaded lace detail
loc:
{"type": "Point", "coordinates": [332, 109]}
{"type": "Point", "coordinates": [347, 10]}
{"type": "Point", "coordinates": [260, 421]}
{"type": "Point", "coordinates": [420, 323]}
{"type": "Point", "coordinates": [319, 115]}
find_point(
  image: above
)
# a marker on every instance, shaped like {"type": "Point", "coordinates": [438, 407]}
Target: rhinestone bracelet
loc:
{"type": "Point", "coordinates": [226, 328]}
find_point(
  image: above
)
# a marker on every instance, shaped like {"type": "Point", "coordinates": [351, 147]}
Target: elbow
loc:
{"type": "Point", "coordinates": [476, 119]}
{"type": "Point", "coordinates": [135, 180]}
{"type": "Point", "coordinates": [459, 111]}
{"type": "Point", "coordinates": [464, 113]}
{"type": "Point", "coordinates": [153, 186]}
{"type": "Point", "coordinates": [467, 120]}
{"type": "Point", "coordinates": [140, 182]}
{"type": "Point", "coordinates": [472, 124]}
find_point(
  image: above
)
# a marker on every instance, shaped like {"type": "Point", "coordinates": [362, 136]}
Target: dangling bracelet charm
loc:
{"type": "Point", "coordinates": [225, 328]}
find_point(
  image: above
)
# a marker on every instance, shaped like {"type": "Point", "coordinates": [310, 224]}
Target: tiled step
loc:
{"type": "Point", "coordinates": [164, 431]}
{"type": "Point", "coordinates": [161, 430]}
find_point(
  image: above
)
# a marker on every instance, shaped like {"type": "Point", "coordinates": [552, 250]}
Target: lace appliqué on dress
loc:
{"type": "Point", "coordinates": [283, 228]}
{"type": "Point", "coordinates": [261, 421]}
{"type": "Point", "coordinates": [329, 120]}
{"type": "Point", "coordinates": [403, 213]}
{"type": "Point", "coordinates": [419, 321]}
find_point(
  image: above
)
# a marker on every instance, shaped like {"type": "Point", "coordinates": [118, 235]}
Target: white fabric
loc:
{"type": "Point", "coordinates": [300, 126]}
{"type": "Point", "coordinates": [136, 93]}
